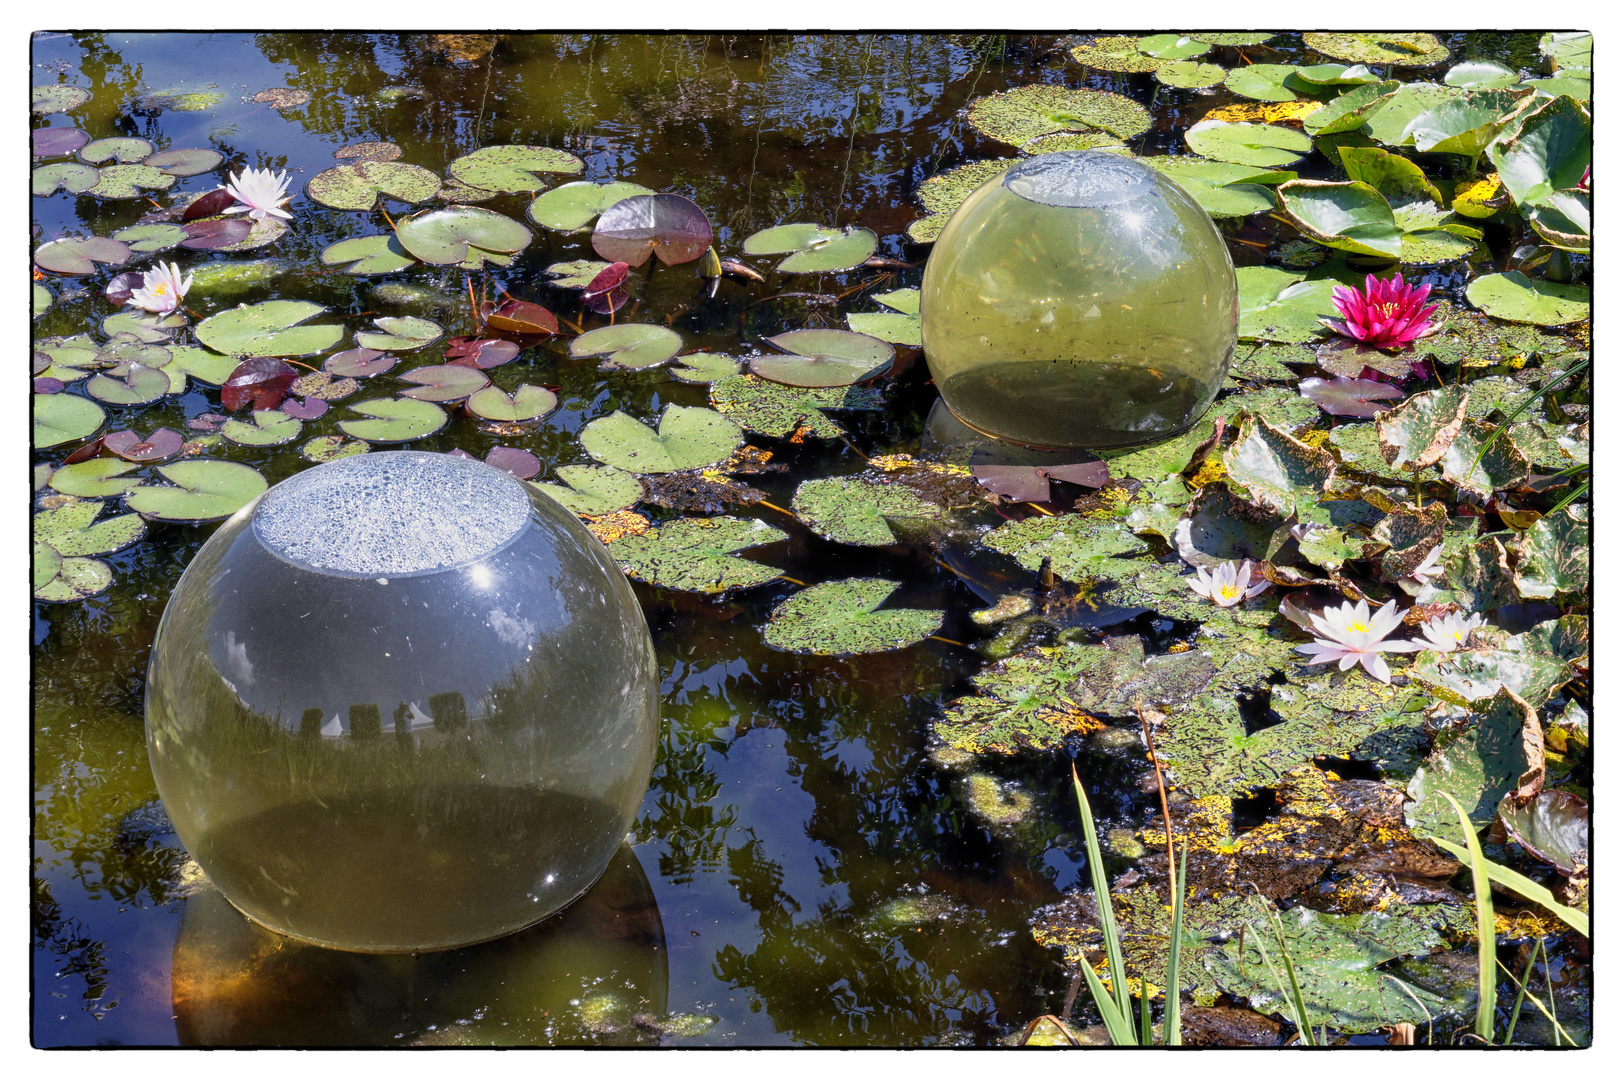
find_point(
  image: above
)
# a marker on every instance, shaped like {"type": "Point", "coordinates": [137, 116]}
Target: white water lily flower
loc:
{"type": "Point", "coordinates": [161, 289]}
{"type": "Point", "coordinates": [1448, 632]}
{"type": "Point", "coordinates": [260, 192]}
{"type": "Point", "coordinates": [1227, 585]}
{"type": "Point", "coordinates": [1429, 567]}
{"type": "Point", "coordinates": [1354, 636]}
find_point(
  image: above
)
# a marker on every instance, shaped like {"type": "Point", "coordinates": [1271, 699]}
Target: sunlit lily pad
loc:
{"type": "Point", "coordinates": [192, 161]}
{"type": "Point", "coordinates": [1173, 46]}
{"type": "Point", "coordinates": [124, 150]}
{"type": "Point", "coordinates": [1390, 123]}
{"type": "Point", "coordinates": [853, 511]}
{"type": "Point", "coordinates": [1569, 48]}
{"type": "Point", "coordinates": [527, 402]}
{"type": "Point", "coordinates": [594, 489]}
{"type": "Point", "coordinates": [97, 478]}
{"type": "Point", "coordinates": [45, 100]}
{"type": "Point", "coordinates": [381, 254]}
{"type": "Point", "coordinates": [359, 363]}
{"type": "Point", "coordinates": [59, 580]}
{"type": "Point", "coordinates": [1262, 82]}
{"type": "Point", "coordinates": [1416, 433]}
{"type": "Point", "coordinates": [271, 328]}
{"type": "Point", "coordinates": [1515, 298]}
{"type": "Point", "coordinates": [1399, 180]}
{"type": "Point", "coordinates": [129, 182]}
{"type": "Point", "coordinates": [1221, 188]}
{"type": "Point", "coordinates": [1115, 54]}
{"type": "Point", "coordinates": [1350, 216]}
{"type": "Point", "coordinates": [824, 358]}
{"type": "Point", "coordinates": [839, 618]}
{"type": "Point", "coordinates": [130, 384]}
{"type": "Point", "coordinates": [577, 273]}
{"type": "Point", "coordinates": [1276, 470]}
{"type": "Point", "coordinates": [1553, 556]}
{"type": "Point", "coordinates": [628, 346]}
{"type": "Point", "coordinates": [1277, 305]}
{"type": "Point", "coordinates": [768, 408]}
{"type": "Point", "coordinates": [573, 206]}
{"type": "Point", "coordinates": [665, 225]}
{"type": "Point", "coordinates": [147, 238]}
{"type": "Point", "coordinates": [1247, 144]}
{"type": "Point", "coordinates": [687, 438]}
{"type": "Point", "coordinates": [1343, 396]}
{"type": "Point", "coordinates": [512, 168]}
{"type": "Point", "coordinates": [72, 528]}
{"type": "Point", "coordinates": [203, 490]}
{"type": "Point", "coordinates": [1414, 49]}
{"type": "Point", "coordinates": [1351, 110]}
{"type": "Point", "coordinates": [323, 385]}
{"type": "Point", "coordinates": [442, 383]}
{"type": "Point", "coordinates": [204, 365]}
{"type": "Point", "coordinates": [697, 554]}
{"type": "Point", "coordinates": [1056, 141]}
{"type": "Point", "coordinates": [703, 367]}
{"type": "Point", "coordinates": [1077, 550]}
{"type": "Point", "coordinates": [325, 448]}
{"type": "Point", "coordinates": [80, 254]}
{"type": "Point", "coordinates": [1316, 77]}
{"type": "Point", "coordinates": [400, 334]}
{"type": "Point", "coordinates": [1546, 150]}
{"type": "Point", "coordinates": [1478, 766]}
{"type": "Point", "coordinates": [943, 193]}
{"type": "Point", "coordinates": [69, 176]}
{"type": "Point", "coordinates": [1466, 124]}
{"type": "Point", "coordinates": [144, 326]}
{"type": "Point", "coordinates": [1553, 828]}
{"type": "Point", "coordinates": [1017, 116]}
{"type": "Point", "coordinates": [464, 236]}
{"type": "Point", "coordinates": [70, 358]}
{"type": "Point", "coordinates": [270, 427]}
{"type": "Point", "coordinates": [394, 420]}
{"type": "Point", "coordinates": [1480, 75]}
{"type": "Point", "coordinates": [1233, 41]}
{"type": "Point", "coordinates": [357, 186]}
{"type": "Point", "coordinates": [900, 326]}
{"type": "Point", "coordinates": [1190, 75]}
{"type": "Point", "coordinates": [813, 248]}
{"type": "Point", "coordinates": [1501, 467]}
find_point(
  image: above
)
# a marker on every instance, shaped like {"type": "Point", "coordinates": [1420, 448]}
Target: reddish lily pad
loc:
{"type": "Point", "coordinates": [1553, 827]}
{"type": "Point", "coordinates": [1023, 474]}
{"type": "Point", "coordinates": [129, 444]}
{"type": "Point", "coordinates": [310, 408]}
{"type": "Point", "coordinates": [359, 363]}
{"type": "Point", "coordinates": [629, 346]}
{"type": "Point", "coordinates": [509, 459]}
{"type": "Point", "coordinates": [1350, 397]}
{"type": "Point", "coordinates": [524, 404]}
{"type": "Point", "coordinates": [822, 358]}
{"type": "Point", "coordinates": [443, 382]}
{"type": "Point", "coordinates": [44, 384]}
{"type": "Point", "coordinates": [484, 353]}
{"type": "Point", "coordinates": [512, 168]}
{"type": "Point", "coordinates": [357, 186]}
{"type": "Point", "coordinates": [208, 204]}
{"type": "Point", "coordinates": [80, 254]}
{"type": "Point", "coordinates": [666, 225]}
{"type": "Point", "coordinates": [607, 293]}
{"type": "Point", "coordinates": [229, 234]}
{"type": "Point", "coordinates": [394, 420]}
{"type": "Point", "coordinates": [521, 318]}
{"type": "Point", "coordinates": [261, 380]}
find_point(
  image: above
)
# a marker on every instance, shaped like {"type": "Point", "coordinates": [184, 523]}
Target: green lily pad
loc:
{"type": "Point", "coordinates": [325, 448]}
{"type": "Point", "coordinates": [1553, 827]}
{"type": "Point", "coordinates": [1351, 110]}
{"type": "Point", "coordinates": [47, 563]}
{"type": "Point", "coordinates": [703, 367]}
{"type": "Point", "coordinates": [125, 150]}
{"type": "Point", "coordinates": [381, 254]}
{"type": "Point", "coordinates": [130, 384]}
{"type": "Point", "coordinates": [269, 329]}
{"type": "Point", "coordinates": [189, 161]}
{"type": "Point", "coordinates": [899, 326]}
{"type": "Point", "coordinates": [1078, 549]}
{"type": "Point", "coordinates": [1277, 305]}
{"type": "Point", "coordinates": [1219, 526]}
{"type": "Point", "coordinates": [1398, 179]}
{"type": "Point", "coordinates": [593, 489]}
{"type": "Point", "coordinates": [687, 438]}
{"type": "Point", "coordinates": [1277, 471]}
{"type": "Point", "coordinates": [97, 478]}
{"type": "Point", "coordinates": [42, 300]}
{"type": "Point", "coordinates": [323, 385]}
{"type": "Point", "coordinates": [1478, 765]}
{"type": "Point", "coordinates": [144, 326]}
{"type": "Point", "coordinates": [1477, 578]}
{"type": "Point", "coordinates": [394, 420]}
{"type": "Point", "coordinates": [1314, 78]}
{"type": "Point", "coordinates": [465, 236]}
{"type": "Point", "coordinates": [129, 182]}
{"type": "Point", "coordinates": [1414, 49]}
{"type": "Point", "coordinates": [1572, 48]}
{"type": "Point", "coordinates": [572, 207]}
{"type": "Point", "coordinates": [1115, 54]}
{"type": "Point", "coordinates": [1480, 75]}
{"type": "Point", "coordinates": [1221, 188]}
{"type": "Point", "coordinates": [80, 254]}
{"type": "Point", "coordinates": [824, 358]}
{"type": "Point", "coordinates": [945, 192]}
{"type": "Point", "coordinates": [1390, 123]}
{"type": "Point", "coordinates": [1017, 116]}
{"type": "Point", "coordinates": [45, 100]}
{"type": "Point", "coordinates": [356, 186]}
{"type": "Point", "coordinates": [69, 176]}
{"type": "Point", "coordinates": [816, 250]}
{"type": "Point", "coordinates": [526, 403]}
{"type": "Point", "coordinates": [577, 273]}
{"type": "Point", "coordinates": [61, 418]}
{"type": "Point", "coordinates": [768, 408]}
{"type": "Point", "coordinates": [1189, 75]}
{"type": "Point", "coordinates": [698, 554]}
{"type": "Point", "coordinates": [848, 510]}
{"type": "Point", "coordinates": [1349, 216]}
{"type": "Point", "coordinates": [75, 579]}
{"type": "Point", "coordinates": [1553, 555]}
{"type": "Point", "coordinates": [203, 365]}
{"type": "Point", "coordinates": [1562, 220]}
{"type": "Point", "coordinates": [1173, 46]}
{"type": "Point", "coordinates": [1417, 432]}
{"type": "Point", "coordinates": [203, 490]}
{"type": "Point", "coordinates": [1502, 467]}
{"type": "Point", "coordinates": [1056, 141]}
{"type": "Point", "coordinates": [1546, 150]}
{"type": "Point", "coordinates": [1247, 144]}
{"type": "Point", "coordinates": [628, 346]}
{"type": "Point", "coordinates": [441, 382]}
{"type": "Point", "coordinates": [1574, 83]}
{"type": "Point", "coordinates": [72, 529]}
{"type": "Point", "coordinates": [838, 618]}
{"type": "Point", "coordinates": [147, 238]}
{"type": "Point", "coordinates": [270, 427]}
{"type": "Point", "coordinates": [512, 168]}
{"type": "Point", "coordinates": [1466, 124]}
{"type": "Point", "coordinates": [400, 334]}
{"type": "Point", "coordinates": [1515, 298]}
{"type": "Point", "coordinates": [1262, 82]}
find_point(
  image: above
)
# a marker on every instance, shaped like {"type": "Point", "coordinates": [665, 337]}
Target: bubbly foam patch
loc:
{"type": "Point", "coordinates": [1083, 178]}
{"type": "Point", "coordinates": [391, 514]}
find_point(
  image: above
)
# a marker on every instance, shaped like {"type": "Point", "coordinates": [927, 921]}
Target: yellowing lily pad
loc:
{"type": "Point", "coordinates": [697, 554]}
{"type": "Point", "coordinates": [840, 618]}
{"type": "Point", "coordinates": [357, 186]}
{"type": "Point", "coordinates": [512, 168]}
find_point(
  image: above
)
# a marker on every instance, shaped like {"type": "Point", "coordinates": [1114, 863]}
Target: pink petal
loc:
{"type": "Point", "coordinates": [1377, 667]}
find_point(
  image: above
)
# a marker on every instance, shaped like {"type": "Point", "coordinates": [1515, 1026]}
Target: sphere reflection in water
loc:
{"type": "Point", "coordinates": [1081, 299]}
{"type": "Point", "coordinates": [402, 703]}
{"type": "Point", "coordinates": [236, 984]}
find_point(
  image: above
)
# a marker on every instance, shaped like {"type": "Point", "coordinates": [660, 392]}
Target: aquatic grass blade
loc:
{"type": "Point", "coordinates": [1101, 897]}
{"type": "Point", "coordinates": [1524, 887]}
{"type": "Point", "coordinates": [1288, 987]}
{"type": "Point", "coordinates": [1486, 960]}
{"type": "Point", "coordinates": [1532, 399]}
{"type": "Point", "coordinates": [1119, 1026]}
{"type": "Point", "coordinates": [1172, 1018]}
{"type": "Point", "coordinates": [1521, 992]}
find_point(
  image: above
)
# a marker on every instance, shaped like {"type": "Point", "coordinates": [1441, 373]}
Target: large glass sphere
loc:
{"type": "Point", "coordinates": [1080, 299]}
{"type": "Point", "coordinates": [402, 702]}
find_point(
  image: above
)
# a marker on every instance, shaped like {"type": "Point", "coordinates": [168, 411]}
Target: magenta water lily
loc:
{"type": "Point", "coordinates": [1385, 315]}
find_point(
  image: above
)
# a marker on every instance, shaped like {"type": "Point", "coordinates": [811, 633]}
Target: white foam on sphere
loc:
{"type": "Point", "coordinates": [1082, 178]}
{"type": "Point", "coordinates": [391, 514]}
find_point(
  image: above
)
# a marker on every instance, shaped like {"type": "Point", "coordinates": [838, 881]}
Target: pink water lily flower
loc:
{"type": "Point", "coordinates": [1227, 585]}
{"type": "Point", "coordinates": [161, 289]}
{"type": "Point", "coordinates": [260, 192]}
{"type": "Point", "coordinates": [1429, 567]}
{"type": "Point", "coordinates": [1448, 632]}
{"type": "Point", "coordinates": [1354, 636]}
{"type": "Point", "coordinates": [1386, 315]}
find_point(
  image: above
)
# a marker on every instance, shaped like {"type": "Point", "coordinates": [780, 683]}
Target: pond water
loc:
{"type": "Point", "coordinates": [804, 870]}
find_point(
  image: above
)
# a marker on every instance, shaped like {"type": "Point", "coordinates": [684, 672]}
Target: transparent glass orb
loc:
{"type": "Point", "coordinates": [402, 702]}
{"type": "Point", "coordinates": [1081, 299]}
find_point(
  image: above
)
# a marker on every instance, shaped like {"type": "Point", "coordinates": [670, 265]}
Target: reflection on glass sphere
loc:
{"type": "Point", "coordinates": [402, 703]}
{"type": "Point", "coordinates": [1081, 299]}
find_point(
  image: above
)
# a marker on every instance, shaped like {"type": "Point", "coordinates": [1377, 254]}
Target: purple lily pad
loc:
{"type": "Point", "coordinates": [44, 384]}
{"type": "Point", "coordinates": [121, 286]}
{"type": "Point", "coordinates": [209, 421]}
{"type": "Point", "coordinates": [54, 142]}
{"type": "Point", "coordinates": [80, 254]}
{"type": "Point", "coordinates": [510, 459]}
{"type": "Point", "coordinates": [1553, 827]}
{"type": "Point", "coordinates": [208, 204]}
{"type": "Point", "coordinates": [1023, 475]}
{"type": "Point", "coordinates": [262, 380]}
{"type": "Point", "coordinates": [209, 235]}
{"type": "Point", "coordinates": [358, 363]}
{"type": "Point", "coordinates": [607, 293]}
{"type": "Point", "coordinates": [1349, 358]}
{"type": "Point", "coordinates": [310, 408]}
{"type": "Point", "coordinates": [483, 353]}
{"type": "Point", "coordinates": [162, 444]}
{"type": "Point", "coordinates": [666, 225]}
{"type": "Point", "coordinates": [1350, 397]}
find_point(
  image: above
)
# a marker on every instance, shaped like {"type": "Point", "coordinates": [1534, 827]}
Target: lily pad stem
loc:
{"type": "Point", "coordinates": [1160, 787]}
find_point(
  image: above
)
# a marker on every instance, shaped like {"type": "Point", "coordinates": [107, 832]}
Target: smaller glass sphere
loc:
{"type": "Point", "coordinates": [1080, 299]}
{"type": "Point", "coordinates": [402, 702]}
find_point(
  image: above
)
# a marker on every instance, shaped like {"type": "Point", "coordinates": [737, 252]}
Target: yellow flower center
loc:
{"type": "Point", "coordinates": [1229, 592]}
{"type": "Point", "coordinates": [1386, 311]}
{"type": "Point", "coordinates": [1358, 626]}
{"type": "Point", "coordinates": [161, 289]}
